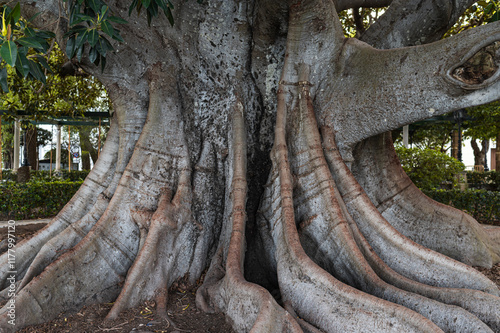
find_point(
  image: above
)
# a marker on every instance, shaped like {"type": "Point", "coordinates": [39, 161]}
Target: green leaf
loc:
{"type": "Point", "coordinates": [149, 17]}
{"type": "Point", "coordinates": [103, 63]}
{"type": "Point", "coordinates": [93, 54]}
{"type": "Point", "coordinates": [81, 39]}
{"type": "Point", "coordinates": [79, 52]}
{"type": "Point", "coordinates": [36, 71]}
{"type": "Point", "coordinates": [117, 36]}
{"type": "Point", "coordinates": [95, 5]}
{"type": "Point", "coordinates": [102, 46]}
{"type": "Point", "coordinates": [30, 42]}
{"type": "Point", "coordinates": [14, 15]}
{"type": "Point", "coordinates": [495, 17]}
{"type": "Point", "coordinates": [33, 17]}
{"type": "Point", "coordinates": [170, 18]}
{"type": "Point", "coordinates": [107, 28]}
{"type": "Point", "coordinates": [9, 52]}
{"type": "Point", "coordinates": [81, 18]}
{"type": "Point", "coordinates": [44, 34]}
{"type": "Point", "coordinates": [163, 5]}
{"type": "Point", "coordinates": [43, 62]}
{"type": "Point", "coordinates": [92, 37]}
{"type": "Point", "coordinates": [29, 32]}
{"type": "Point", "coordinates": [132, 6]}
{"type": "Point", "coordinates": [153, 8]}
{"type": "Point", "coordinates": [22, 65]}
{"type": "Point", "coordinates": [77, 29]}
{"type": "Point", "coordinates": [3, 80]}
{"type": "Point", "coordinates": [146, 3]}
{"type": "Point", "coordinates": [71, 47]}
{"type": "Point", "coordinates": [116, 19]}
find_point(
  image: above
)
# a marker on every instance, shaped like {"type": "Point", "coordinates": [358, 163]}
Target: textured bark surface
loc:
{"type": "Point", "coordinates": [248, 142]}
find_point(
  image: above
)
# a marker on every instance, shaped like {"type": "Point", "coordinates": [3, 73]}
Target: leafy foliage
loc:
{"type": "Point", "coordinates": [428, 168]}
{"type": "Point", "coordinates": [90, 22]}
{"type": "Point", "coordinates": [152, 8]}
{"type": "Point", "coordinates": [483, 205]}
{"type": "Point", "coordinates": [60, 95]}
{"type": "Point", "coordinates": [432, 135]}
{"type": "Point", "coordinates": [485, 124]}
{"type": "Point", "coordinates": [36, 198]}
{"type": "Point", "coordinates": [482, 12]}
{"type": "Point", "coordinates": [43, 175]}
{"type": "Point", "coordinates": [22, 47]}
{"type": "Point", "coordinates": [484, 180]}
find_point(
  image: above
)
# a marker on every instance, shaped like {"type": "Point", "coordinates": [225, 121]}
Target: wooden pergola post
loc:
{"type": "Point", "coordinates": [69, 148]}
{"type": "Point", "coordinates": [99, 139]}
{"type": "Point", "coordinates": [1, 154]}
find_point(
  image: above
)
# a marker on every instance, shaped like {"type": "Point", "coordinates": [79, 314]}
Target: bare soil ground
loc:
{"type": "Point", "coordinates": [142, 319]}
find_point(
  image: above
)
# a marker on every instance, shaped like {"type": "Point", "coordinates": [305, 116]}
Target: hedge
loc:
{"type": "Point", "coordinates": [489, 180]}
{"type": "Point", "coordinates": [483, 205]}
{"type": "Point", "coordinates": [74, 175]}
{"type": "Point", "coordinates": [35, 199]}
{"type": "Point", "coordinates": [428, 168]}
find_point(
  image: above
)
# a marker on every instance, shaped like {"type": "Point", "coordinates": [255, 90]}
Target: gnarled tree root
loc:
{"type": "Point", "coordinates": [436, 226]}
{"type": "Point", "coordinates": [76, 208]}
{"type": "Point", "coordinates": [336, 250]}
{"type": "Point", "coordinates": [250, 307]}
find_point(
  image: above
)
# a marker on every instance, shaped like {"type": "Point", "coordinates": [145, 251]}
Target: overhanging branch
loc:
{"type": "Point", "coordinates": [415, 82]}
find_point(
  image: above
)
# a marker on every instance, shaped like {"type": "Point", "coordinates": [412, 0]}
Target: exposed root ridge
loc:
{"type": "Point", "coordinates": [413, 260]}
{"type": "Point", "coordinates": [336, 249]}
{"type": "Point", "coordinates": [431, 224]}
{"type": "Point", "coordinates": [65, 240]}
{"type": "Point", "coordinates": [302, 282]}
{"type": "Point", "coordinates": [250, 307]}
{"type": "Point", "coordinates": [482, 305]}
{"type": "Point", "coordinates": [161, 260]}
{"type": "Point", "coordinates": [75, 209]}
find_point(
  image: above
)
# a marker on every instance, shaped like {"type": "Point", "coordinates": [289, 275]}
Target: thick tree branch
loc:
{"type": "Point", "coordinates": [429, 70]}
{"type": "Point", "coordinates": [408, 23]}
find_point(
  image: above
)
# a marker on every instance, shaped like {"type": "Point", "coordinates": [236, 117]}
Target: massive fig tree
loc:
{"type": "Point", "coordinates": [250, 141]}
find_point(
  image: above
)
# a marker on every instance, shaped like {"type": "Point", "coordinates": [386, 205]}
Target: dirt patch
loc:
{"type": "Point", "coordinates": [181, 310]}
{"type": "Point", "coordinates": [21, 232]}
{"type": "Point", "coordinates": [493, 274]}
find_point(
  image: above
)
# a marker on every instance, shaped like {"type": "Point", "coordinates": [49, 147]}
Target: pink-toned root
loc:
{"type": "Point", "coordinates": [301, 281]}
{"type": "Point", "coordinates": [250, 307]}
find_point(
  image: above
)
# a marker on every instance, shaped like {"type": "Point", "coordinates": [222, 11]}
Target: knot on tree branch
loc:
{"type": "Point", "coordinates": [480, 67]}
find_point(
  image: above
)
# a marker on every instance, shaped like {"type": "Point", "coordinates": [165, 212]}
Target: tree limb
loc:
{"type": "Point", "coordinates": [429, 69]}
{"type": "Point", "coordinates": [408, 23]}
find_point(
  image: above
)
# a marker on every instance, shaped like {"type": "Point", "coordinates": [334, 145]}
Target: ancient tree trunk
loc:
{"type": "Point", "coordinates": [248, 142]}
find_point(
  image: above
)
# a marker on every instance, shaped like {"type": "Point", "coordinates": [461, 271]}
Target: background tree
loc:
{"type": "Point", "coordinates": [251, 138]}
{"type": "Point", "coordinates": [485, 126]}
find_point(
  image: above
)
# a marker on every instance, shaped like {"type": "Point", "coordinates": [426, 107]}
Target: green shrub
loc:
{"type": "Point", "coordinates": [484, 180]}
{"type": "Point", "coordinates": [483, 205]}
{"type": "Point", "coordinates": [45, 175]}
{"type": "Point", "coordinates": [429, 168]}
{"type": "Point", "coordinates": [36, 198]}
